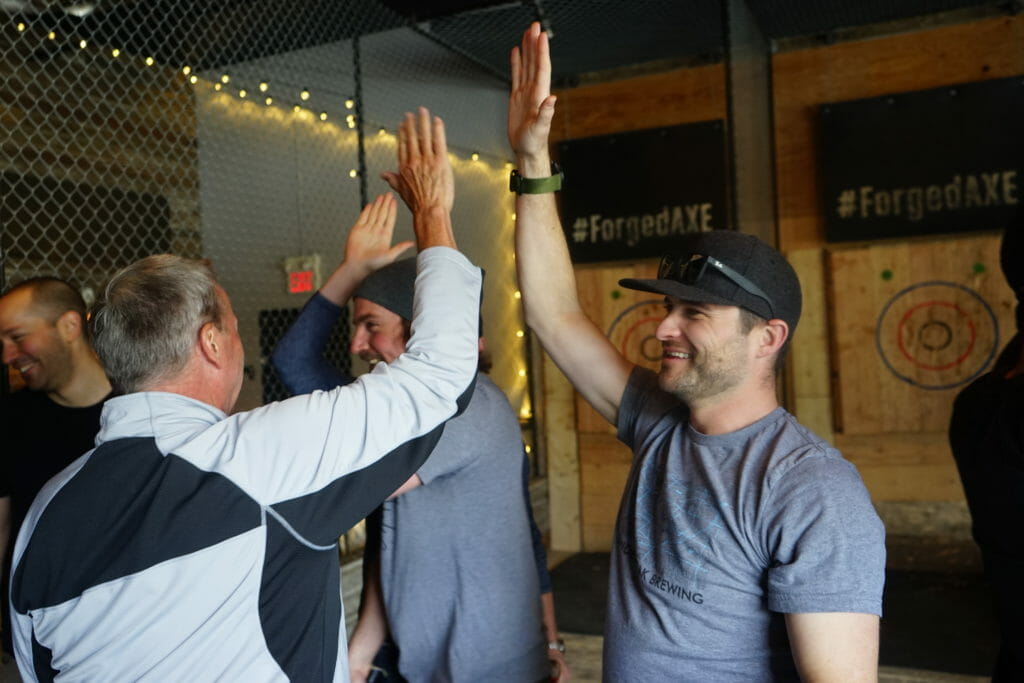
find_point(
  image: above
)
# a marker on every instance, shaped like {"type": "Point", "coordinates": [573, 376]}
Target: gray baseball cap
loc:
{"type": "Point", "coordinates": [731, 269]}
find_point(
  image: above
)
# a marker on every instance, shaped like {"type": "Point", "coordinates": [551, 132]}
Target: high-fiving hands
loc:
{"type": "Point", "coordinates": [424, 179]}
{"type": "Point", "coordinates": [368, 246]}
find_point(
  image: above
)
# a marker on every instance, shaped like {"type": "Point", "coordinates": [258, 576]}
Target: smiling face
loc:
{"type": "Point", "coordinates": [706, 353]}
{"type": "Point", "coordinates": [379, 334]}
{"type": "Point", "coordinates": [33, 344]}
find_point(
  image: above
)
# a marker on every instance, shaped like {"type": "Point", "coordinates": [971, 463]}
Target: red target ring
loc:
{"type": "Point", "coordinates": [901, 334]}
{"type": "Point", "coordinates": [937, 334]}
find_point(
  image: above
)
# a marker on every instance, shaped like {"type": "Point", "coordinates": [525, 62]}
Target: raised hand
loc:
{"type": "Point", "coordinates": [368, 246]}
{"type": "Point", "coordinates": [424, 179]}
{"type": "Point", "coordinates": [531, 104]}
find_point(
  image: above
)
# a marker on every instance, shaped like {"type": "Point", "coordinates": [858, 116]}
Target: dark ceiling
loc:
{"type": "Point", "coordinates": [589, 36]}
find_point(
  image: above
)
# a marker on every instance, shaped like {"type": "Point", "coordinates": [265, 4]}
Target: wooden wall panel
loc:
{"type": "Point", "coordinates": [604, 471]}
{"type": "Point", "coordinates": [914, 321]}
{"type": "Point", "coordinates": [665, 99]}
{"type": "Point", "coordinates": [914, 468]}
{"type": "Point", "coordinates": [803, 79]}
{"type": "Point", "coordinates": [912, 462]}
{"type": "Point", "coordinates": [809, 385]}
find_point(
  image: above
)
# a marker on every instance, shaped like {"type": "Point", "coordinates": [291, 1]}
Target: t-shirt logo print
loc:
{"type": "Point", "coordinates": [680, 516]}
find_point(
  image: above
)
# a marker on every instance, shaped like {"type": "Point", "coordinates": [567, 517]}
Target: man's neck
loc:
{"type": "Point", "coordinates": [726, 414]}
{"type": "Point", "coordinates": [88, 385]}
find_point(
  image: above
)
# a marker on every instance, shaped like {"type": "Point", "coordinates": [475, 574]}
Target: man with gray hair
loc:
{"type": "Point", "coordinates": [193, 545]}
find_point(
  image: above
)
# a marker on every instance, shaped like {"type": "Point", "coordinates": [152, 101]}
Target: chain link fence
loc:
{"type": "Point", "coordinates": [248, 134]}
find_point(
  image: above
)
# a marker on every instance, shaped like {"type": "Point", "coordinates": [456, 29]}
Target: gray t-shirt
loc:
{"type": "Point", "coordinates": [719, 536]}
{"type": "Point", "coordinates": [457, 568]}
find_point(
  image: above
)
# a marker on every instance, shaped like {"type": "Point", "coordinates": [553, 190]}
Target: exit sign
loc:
{"type": "Point", "coordinates": [303, 273]}
{"type": "Point", "coordinates": [300, 281]}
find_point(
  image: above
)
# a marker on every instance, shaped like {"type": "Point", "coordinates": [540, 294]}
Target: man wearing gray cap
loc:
{"type": "Point", "coordinates": [746, 548]}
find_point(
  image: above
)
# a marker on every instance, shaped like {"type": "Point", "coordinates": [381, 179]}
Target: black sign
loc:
{"type": "Point", "coordinates": [631, 195]}
{"type": "Point", "coordinates": [936, 161]}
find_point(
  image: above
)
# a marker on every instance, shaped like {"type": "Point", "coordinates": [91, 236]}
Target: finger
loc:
{"type": "Point", "coordinates": [407, 139]}
{"type": "Point", "coordinates": [393, 180]}
{"type": "Point", "coordinates": [440, 141]}
{"type": "Point", "coordinates": [377, 213]}
{"type": "Point", "coordinates": [547, 110]}
{"type": "Point", "coordinates": [390, 213]}
{"type": "Point", "coordinates": [527, 51]}
{"type": "Point", "coordinates": [517, 67]}
{"type": "Point", "coordinates": [543, 64]}
{"type": "Point", "coordinates": [364, 215]}
{"type": "Point", "coordinates": [533, 35]}
{"type": "Point", "coordinates": [399, 249]}
{"type": "Point", "coordinates": [426, 144]}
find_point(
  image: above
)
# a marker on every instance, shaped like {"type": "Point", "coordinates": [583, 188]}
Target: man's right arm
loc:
{"type": "Point", "coordinates": [597, 370]}
{"type": "Point", "coordinates": [334, 444]}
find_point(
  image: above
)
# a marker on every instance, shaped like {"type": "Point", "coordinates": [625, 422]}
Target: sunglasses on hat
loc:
{"type": "Point", "coordinates": [690, 269]}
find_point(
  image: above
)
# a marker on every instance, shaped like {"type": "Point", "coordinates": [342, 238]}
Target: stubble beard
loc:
{"type": "Point", "coordinates": [706, 377]}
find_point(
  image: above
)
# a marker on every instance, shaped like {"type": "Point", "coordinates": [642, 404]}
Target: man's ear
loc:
{"type": "Point", "coordinates": [772, 336]}
{"type": "Point", "coordinates": [69, 325]}
{"type": "Point", "coordinates": [210, 343]}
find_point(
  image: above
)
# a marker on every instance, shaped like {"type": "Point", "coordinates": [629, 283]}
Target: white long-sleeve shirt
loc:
{"type": "Point", "coordinates": [193, 546]}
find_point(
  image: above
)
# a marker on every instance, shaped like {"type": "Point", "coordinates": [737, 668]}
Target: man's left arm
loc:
{"type": "Point", "coordinates": [834, 646]}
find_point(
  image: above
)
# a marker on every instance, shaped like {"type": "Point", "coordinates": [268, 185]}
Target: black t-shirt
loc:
{"type": "Point", "coordinates": [987, 437]}
{"type": "Point", "coordinates": [39, 438]}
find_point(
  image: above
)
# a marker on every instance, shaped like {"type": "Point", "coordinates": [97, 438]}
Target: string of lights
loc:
{"type": "Point", "coordinates": [284, 97]}
{"type": "Point", "coordinates": [297, 98]}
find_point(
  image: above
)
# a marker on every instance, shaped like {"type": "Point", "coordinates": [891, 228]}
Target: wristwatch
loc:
{"type": "Point", "coordinates": [521, 185]}
{"type": "Point", "coordinates": [557, 645]}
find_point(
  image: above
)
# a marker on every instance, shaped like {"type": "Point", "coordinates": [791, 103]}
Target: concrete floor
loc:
{"type": "Point", "coordinates": [584, 656]}
{"type": "Point", "coordinates": [583, 651]}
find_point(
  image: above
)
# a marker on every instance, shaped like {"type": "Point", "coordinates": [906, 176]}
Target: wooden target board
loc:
{"type": "Point", "coordinates": [912, 324]}
{"type": "Point", "coordinates": [628, 317]}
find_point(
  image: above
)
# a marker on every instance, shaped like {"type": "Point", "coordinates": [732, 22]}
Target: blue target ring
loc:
{"type": "Point", "coordinates": [976, 298]}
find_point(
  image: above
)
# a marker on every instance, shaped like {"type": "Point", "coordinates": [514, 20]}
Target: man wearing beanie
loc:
{"type": "Point", "coordinates": [455, 574]}
{"type": "Point", "coordinates": [986, 433]}
{"type": "Point", "coordinates": [746, 548]}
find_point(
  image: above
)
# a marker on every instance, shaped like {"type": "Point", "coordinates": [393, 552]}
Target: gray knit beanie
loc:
{"type": "Point", "coordinates": [392, 287]}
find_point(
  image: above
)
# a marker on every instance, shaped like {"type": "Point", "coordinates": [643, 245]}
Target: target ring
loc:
{"type": "Point", "coordinates": [937, 335]}
{"type": "Point", "coordinates": [634, 332]}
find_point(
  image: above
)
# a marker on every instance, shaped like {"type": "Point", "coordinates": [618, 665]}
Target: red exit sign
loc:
{"type": "Point", "coordinates": [300, 281]}
{"type": "Point", "coordinates": [302, 273]}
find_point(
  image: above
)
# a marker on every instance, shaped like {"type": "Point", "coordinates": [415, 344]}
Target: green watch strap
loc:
{"type": "Point", "coordinates": [521, 185]}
